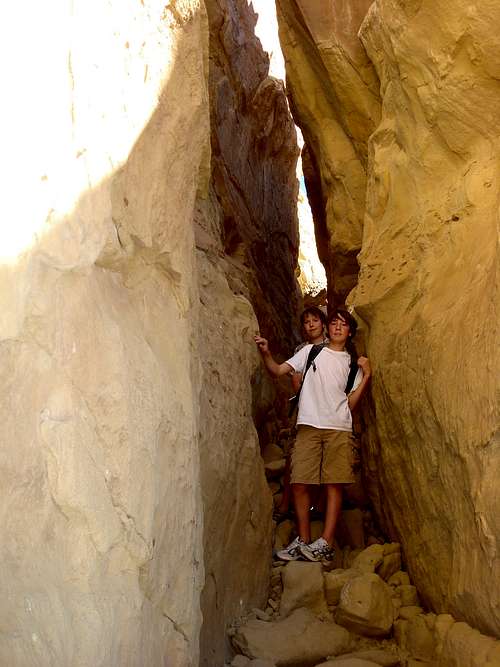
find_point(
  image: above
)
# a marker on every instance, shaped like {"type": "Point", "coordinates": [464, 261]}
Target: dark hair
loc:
{"type": "Point", "coordinates": [315, 312]}
{"type": "Point", "coordinates": [353, 325]}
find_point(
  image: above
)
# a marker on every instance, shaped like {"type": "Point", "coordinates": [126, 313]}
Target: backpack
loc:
{"type": "Point", "coordinates": [313, 353]}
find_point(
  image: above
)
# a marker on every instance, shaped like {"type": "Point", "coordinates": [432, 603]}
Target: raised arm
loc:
{"type": "Point", "coordinates": [271, 365]}
{"type": "Point", "coordinates": [355, 396]}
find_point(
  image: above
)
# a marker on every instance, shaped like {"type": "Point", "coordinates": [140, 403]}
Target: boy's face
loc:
{"type": "Point", "coordinates": [338, 329]}
{"type": "Point", "coordinates": [313, 326]}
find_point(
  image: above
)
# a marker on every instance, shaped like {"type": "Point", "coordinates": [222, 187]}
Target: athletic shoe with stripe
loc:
{"type": "Point", "coordinates": [317, 551]}
{"type": "Point", "coordinates": [292, 551]}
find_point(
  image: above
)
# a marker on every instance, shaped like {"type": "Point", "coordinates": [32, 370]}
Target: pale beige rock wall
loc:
{"type": "Point", "coordinates": [101, 518]}
{"type": "Point", "coordinates": [428, 286]}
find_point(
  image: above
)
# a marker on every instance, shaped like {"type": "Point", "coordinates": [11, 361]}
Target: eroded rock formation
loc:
{"type": "Point", "coordinates": [247, 238]}
{"type": "Point", "coordinates": [254, 154]}
{"type": "Point", "coordinates": [334, 95]}
{"type": "Point", "coordinates": [428, 285]}
{"type": "Point", "coordinates": [129, 463]}
{"type": "Point", "coordinates": [100, 376]}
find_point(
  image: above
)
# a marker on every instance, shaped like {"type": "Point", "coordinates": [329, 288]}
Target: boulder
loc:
{"type": "Point", "coordinates": [335, 582]}
{"type": "Point", "coordinates": [406, 613]}
{"type": "Point", "coordinates": [240, 661]}
{"type": "Point", "coordinates": [369, 559]}
{"type": "Point", "coordinates": [303, 586]}
{"type": "Point", "coordinates": [366, 606]}
{"type": "Point", "coordinates": [299, 638]}
{"type": "Point", "coordinates": [369, 656]}
{"type": "Point", "coordinates": [408, 595]}
{"type": "Point", "coordinates": [494, 655]}
{"type": "Point", "coordinates": [275, 468]}
{"type": "Point", "coordinates": [400, 630]}
{"type": "Point", "coordinates": [420, 641]}
{"type": "Point", "coordinates": [399, 579]}
{"type": "Point", "coordinates": [349, 556]}
{"type": "Point", "coordinates": [348, 662]}
{"type": "Point", "coordinates": [466, 647]}
{"type": "Point", "coordinates": [390, 565]}
{"type": "Point", "coordinates": [272, 452]}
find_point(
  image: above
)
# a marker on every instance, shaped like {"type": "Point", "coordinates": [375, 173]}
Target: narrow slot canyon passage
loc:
{"type": "Point", "coordinates": [182, 181]}
{"type": "Point", "coordinates": [368, 587]}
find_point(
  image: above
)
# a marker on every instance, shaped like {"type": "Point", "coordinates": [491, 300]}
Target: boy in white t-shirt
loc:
{"type": "Point", "coordinates": [313, 323]}
{"type": "Point", "coordinates": [323, 449]}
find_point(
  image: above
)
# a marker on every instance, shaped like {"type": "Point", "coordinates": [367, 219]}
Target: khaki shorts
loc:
{"type": "Point", "coordinates": [322, 456]}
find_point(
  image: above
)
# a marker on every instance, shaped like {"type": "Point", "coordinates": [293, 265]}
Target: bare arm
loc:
{"type": "Point", "coordinates": [296, 380]}
{"type": "Point", "coordinates": [274, 368]}
{"type": "Point", "coordinates": [355, 396]}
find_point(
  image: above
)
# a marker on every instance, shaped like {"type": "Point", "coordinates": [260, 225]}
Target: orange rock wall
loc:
{"type": "Point", "coordinates": [425, 168]}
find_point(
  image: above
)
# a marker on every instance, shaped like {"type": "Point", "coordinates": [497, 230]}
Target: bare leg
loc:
{"type": "Point", "coordinates": [333, 506]}
{"type": "Point", "coordinates": [301, 502]}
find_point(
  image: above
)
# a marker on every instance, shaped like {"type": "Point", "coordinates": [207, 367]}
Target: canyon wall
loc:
{"type": "Point", "coordinates": [129, 464]}
{"type": "Point", "coordinates": [247, 240]}
{"type": "Point", "coordinates": [99, 412]}
{"type": "Point", "coordinates": [254, 156]}
{"type": "Point", "coordinates": [428, 281]}
{"type": "Point", "coordinates": [334, 97]}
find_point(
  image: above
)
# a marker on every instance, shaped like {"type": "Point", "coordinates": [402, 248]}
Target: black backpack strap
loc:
{"type": "Point", "coordinates": [353, 371]}
{"type": "Point", "coordinates": [313, 353]}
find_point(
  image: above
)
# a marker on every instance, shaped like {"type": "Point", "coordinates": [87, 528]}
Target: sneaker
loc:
{"type": "Point", "coordinates": [292, 551]}
{"type": "Point", "coordinates": [317, 551]}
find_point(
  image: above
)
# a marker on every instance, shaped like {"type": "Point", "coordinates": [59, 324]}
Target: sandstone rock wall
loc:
{"type": "Point", "coordinates": [334, 96]}
{"type": "Point", "coordinates": [428, 285]}
{"type": "Point", "coordinates": [128, 456]}
{"type": "Point", "coordinates": [428, 290]}
{"type": "Point", "coordinates": [247, 240]}
{"type": "Point", "coordinates": [99, 407]}
{"type": "Point", "coordinates": [254, 155]}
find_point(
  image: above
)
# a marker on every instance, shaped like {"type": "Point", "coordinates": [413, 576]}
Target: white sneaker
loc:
{"type": "Point", "coordinates": [292, 551]}
{"type": "Point", "coordinates": [317, 551]}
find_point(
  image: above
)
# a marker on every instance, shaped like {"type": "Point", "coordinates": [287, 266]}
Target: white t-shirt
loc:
{"type": "Point", "coordinates": [323, 401]}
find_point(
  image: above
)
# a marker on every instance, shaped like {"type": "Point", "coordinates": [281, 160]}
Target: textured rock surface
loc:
{"type": "Point", "coordinates": [321, 49]}
{"type": "Point", "coordinates": [254, 154]}
{"type": "Point", "coordinates": [236, 501]}
{"type": "Point", "coordinates": [303, 586]}
{"type": "Point", "coordinates": [100, 378]}
{"type": "Point", "coordinates": [433, 193]}
{"type": "Point", "coordinates": [129, 459]}
{"type": "Point", "coordinates": [247, 238]}
{"type": "Point", "coordinates": [365, 606]}
{"type": "Point", "coordinates": [299, 639]}
{"type": "Point", "coordinates": [428, 286]}
{"type": "Point", "coordinates": [375, 656]}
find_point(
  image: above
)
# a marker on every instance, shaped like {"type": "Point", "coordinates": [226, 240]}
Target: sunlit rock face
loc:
{"type": "Point", "coordinates": [428, 285]}
{"type": "Point", "coordinates": [428, 289]}
{"type": "Point", "coordinates": [334, 96]}
{"type": "Point", "coordinates": [129, 460]}
{"type": "Point", "coordinates": [101, 518]}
